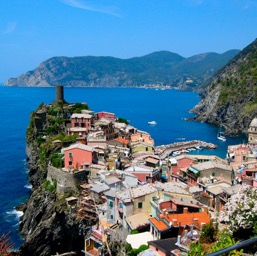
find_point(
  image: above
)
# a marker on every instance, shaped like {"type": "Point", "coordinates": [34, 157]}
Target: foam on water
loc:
{"type": "Point", "coordinates": [15, 214]}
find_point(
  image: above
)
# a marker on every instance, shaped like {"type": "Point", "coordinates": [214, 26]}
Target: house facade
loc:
{"type": "Point", "coordinates": [106, 115]}
{"type": "Point", "coordinates": [145, 173]}
{"type": "Point", "coordinates": [78, 156]}
{"type": "Point", "coordinates": [81, 120]}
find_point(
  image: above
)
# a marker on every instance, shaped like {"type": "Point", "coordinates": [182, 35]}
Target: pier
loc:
{"type": "Point", "coordinates": [165, 150]}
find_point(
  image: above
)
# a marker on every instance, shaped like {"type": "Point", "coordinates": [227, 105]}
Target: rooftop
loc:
{"type": "Point", "coordinates": [86, 116]}
{"type": "Point", "coordinates": [165, 245]}
{"type": "Point", "coordinates": [80, 146]}
{"type": "Point", "coordinates": [137, 219]}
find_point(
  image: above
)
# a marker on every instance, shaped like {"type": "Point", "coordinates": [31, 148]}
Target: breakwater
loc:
{"type": "Point", "coordinates": [165, 150]}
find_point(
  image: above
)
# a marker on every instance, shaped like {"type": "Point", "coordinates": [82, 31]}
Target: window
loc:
{"type": "Point", "coordinates": [70, 162]}
{"type": "Point", "coordinates": [213, 174]}
{"type": "Point", "coordinates": [70, 154]}
{"type": "Point", "coordinates": [140, 205]}
{"type": "Point", "coordinates": [111, 203]}
{"type": "Point", "coordinates": [111, 217]}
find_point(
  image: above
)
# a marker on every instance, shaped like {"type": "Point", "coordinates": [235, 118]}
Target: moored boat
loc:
{"type": "Point", "coordinates": [221, 137]}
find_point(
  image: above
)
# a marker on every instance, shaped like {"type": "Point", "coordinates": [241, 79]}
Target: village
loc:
{"type": "Point", "coordinates": [128, 184]}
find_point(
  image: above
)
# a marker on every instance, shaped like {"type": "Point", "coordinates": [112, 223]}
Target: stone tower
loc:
{"type": "Point", "coordinates": [252, 131]}
{"type": "Point", "coordinates": [59, 94]}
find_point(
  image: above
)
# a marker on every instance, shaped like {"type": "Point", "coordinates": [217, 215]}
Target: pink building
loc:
{"type": "Point", "coordinates": [106, 115]}
{"type": "Point", "coordinates": [145, 173]}
{"type": "Point", "coordinates": [176, 164]}
{"type": "Point", "coordinates": [78, 156]}
{"type": "Point", "coordinates": [82, 121]}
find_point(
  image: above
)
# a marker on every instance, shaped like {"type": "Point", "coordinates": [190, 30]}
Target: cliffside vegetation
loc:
{"type": "Point", "coordinates": [230, 98]}
{"type": "Point", "coordinates": [48, 225]}
{"type": "Point", "coordinates": [158, 68]}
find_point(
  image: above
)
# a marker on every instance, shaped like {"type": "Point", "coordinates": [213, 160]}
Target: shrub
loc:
{"type": "Point", "coordinates": [240, 213]}
{"type": "Point", "coordinates": [50, 186]}
{"type": "Point", "coordinates": [123, 120]}
{"type": "Point", "coordinates": [209, 233]}
{"type": "Point", "coordinates": [76, 108]}
{"type": "Point", "coordinates": [56, 160]}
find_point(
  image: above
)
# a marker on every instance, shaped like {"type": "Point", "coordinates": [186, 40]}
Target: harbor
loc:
{"type": "Point", "coordinates": [182, 147]}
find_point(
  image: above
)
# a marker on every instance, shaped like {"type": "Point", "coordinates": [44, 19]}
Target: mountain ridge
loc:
{"type": "Point", "coordinates": [157, 68]}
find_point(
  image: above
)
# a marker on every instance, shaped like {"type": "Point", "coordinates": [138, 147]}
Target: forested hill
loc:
{"type": "Point", "coordinates": [158, 68]}
{"type": "Point", "coordinates": [231, 97]}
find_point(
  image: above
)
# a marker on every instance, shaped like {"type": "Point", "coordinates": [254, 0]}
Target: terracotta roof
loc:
{"type": "Point", "coordinates": [181, 219]}
{"type": "Point", "coordinates": [160, 225]}
{"type": "Point", "coordinates": [123, 141]}
{"type": "Point", "coordinates": [187, 218]}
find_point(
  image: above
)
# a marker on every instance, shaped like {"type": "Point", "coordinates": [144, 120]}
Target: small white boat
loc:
{"type": "Point", "coordinates": [220, 136]}
{"type": "Point", "coordinates": [152, 123]}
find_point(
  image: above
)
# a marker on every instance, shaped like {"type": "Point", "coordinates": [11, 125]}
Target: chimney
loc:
{"type": "Point", "coordinates": [195, 221]}
{"type": "Point", "coordinates": [185, 210]}
{"type": "Point", "coordinates": [178, 240]}
{"type": "Point", "coordinates": [175, 222]}
{"type": "Point", "coordinates": [202, 224]}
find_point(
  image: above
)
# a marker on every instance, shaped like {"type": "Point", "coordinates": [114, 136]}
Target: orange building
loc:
{"type": "Point", "coordinates": [172, 224]}
{"type": "Point", "coordinates": [141, 136]}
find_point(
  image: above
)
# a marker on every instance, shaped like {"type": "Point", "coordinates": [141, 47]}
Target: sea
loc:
{"type": "Point", "coordinates": [169, 108]}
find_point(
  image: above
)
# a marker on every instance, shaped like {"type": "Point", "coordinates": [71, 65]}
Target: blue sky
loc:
{"type": "Point", "coordinates": [32, 31]}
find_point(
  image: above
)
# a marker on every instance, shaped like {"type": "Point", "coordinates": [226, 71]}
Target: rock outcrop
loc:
{"type": "Point", "coordinates": [230, 98]}
{"type": "Point", "coordinates": [48, 225]}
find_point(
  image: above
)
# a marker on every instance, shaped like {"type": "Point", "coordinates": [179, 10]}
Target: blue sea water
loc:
{"type": "Point", "coordinates": [169, 108]}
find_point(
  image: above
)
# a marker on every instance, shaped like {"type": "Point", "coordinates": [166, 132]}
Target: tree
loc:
{"type": "Point", "coordinates": [240, 213]}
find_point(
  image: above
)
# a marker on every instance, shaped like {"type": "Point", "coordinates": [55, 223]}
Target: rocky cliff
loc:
{"type": "Point", "coordinates": [158, 68]}
{"type": "Point", "coordinates": [48, 225]}
{"type": "Point", "coordinates": [230, 98]}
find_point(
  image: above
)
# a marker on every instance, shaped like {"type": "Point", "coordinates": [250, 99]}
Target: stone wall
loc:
{"type": "Point", "coordinates": [66, 181]}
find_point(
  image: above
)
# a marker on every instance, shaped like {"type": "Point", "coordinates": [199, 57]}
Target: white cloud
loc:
{"type": "Point", "coordinates": [85, 5]}
{"type": "Point", "coordinates": [10, 28]}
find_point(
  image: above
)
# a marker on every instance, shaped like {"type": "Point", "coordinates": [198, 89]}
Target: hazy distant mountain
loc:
{"type": "Point", "coordinates": [164, 68]}
{"type": "Point", "coordinates": [230, 99]}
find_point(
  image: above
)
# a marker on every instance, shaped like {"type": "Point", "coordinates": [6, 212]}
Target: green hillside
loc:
{"type": "Point", "coordinates": [231, 97]}
{"type": "Point", "coordinates": [158, 68]}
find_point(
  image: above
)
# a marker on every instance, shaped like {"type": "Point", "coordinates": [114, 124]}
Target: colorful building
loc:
{"type": "Point", "coordinates": [106, 115]}
{"type": "Point", "coordinates": [78, 156]}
